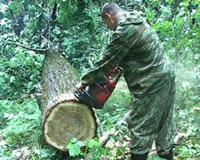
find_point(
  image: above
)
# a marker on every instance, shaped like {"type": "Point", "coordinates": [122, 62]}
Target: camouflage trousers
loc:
{"type": "Point", "coordinates": [151, 118]}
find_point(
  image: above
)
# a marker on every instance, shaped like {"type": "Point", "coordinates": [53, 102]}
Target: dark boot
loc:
{"type": "Point", "coordinates": [139, 156]}
{"type": "Point", "coordinates": [169, 156]}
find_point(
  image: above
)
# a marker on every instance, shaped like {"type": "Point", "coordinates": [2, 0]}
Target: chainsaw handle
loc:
{"type": "Point", "coordinates": [116, 72]}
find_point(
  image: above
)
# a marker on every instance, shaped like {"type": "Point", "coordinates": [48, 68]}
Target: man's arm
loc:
{"type": "Point", "coordinates": [114, 53]}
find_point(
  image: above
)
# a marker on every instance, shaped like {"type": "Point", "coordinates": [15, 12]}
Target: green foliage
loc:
{"type": "Point", "coordinates": [75, 147]}
{"type": "Point", "coordinates": [79, 32]}
{"type": "Point", "coordinates": [79, 41]}
{"type": "Point", "coordinates": [157, 158]}
{"type": "Point", "coordinates": [67, 11]}
{"type": "Point", "coordinates": [176, 30]}
{"type": "Point", "coordinates": [20, 68]}
{"type": "Point", "coordinates": [187, 108]}
{"type": "Point", "coordinates": [19, 72]}
{"type": "Point", "coordinates": [16, 7]}
{"type": "Point", "coordinates": [19, 122]}
{"type": "Point", "coordinates": [93, 149]}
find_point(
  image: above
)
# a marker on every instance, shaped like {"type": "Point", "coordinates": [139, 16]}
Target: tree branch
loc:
{"type": "Point", "coordinates": [51, 25]}
{"type": "Point", "coordinates": [42, 51]}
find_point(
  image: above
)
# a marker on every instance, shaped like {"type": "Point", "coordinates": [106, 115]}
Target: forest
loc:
{"type": "Point", "coordinates": [28, 28]}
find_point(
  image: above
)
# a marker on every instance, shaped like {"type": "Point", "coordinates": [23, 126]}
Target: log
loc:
{"type": "Point", "coordinates": [64, 117]}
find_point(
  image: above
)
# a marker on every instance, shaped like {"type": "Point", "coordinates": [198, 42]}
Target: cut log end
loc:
{"type": "Point", "coordinates": [68, 120]}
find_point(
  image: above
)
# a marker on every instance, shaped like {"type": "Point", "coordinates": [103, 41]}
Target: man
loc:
{"type": "Point", "coordinates": [135, 46]}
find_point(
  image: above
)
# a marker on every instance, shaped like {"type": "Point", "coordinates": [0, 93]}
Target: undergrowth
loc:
{"type": "Point", "coordinates": [21, 123]}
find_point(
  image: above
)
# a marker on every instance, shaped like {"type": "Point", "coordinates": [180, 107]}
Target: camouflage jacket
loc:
{"type": "Point", "coordinates": [136, 47]}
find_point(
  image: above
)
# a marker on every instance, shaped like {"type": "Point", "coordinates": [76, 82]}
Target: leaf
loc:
{"type": "Point", "coordinates": [12, 79]}
{"type": "Point", "coordinates": [66, 42]}
{"type": "Point", "coordinates": [13, 62]}
{"type": "Point", "coordinates": [6, 154]}
{"type": "Point", "coordinates": [157, 158]}
{"type": "Point", "coordinates": [92, 143]}
{"type": "Point", "coordinates": [74, 149]}
{"type": "Point", "coordinates": [185, 154]}
{"type": "Point", "coordinates": [80, 143]}
{"type": "Point", "coordinates": [3, 7]}
{"type": "Point", "coordinates": [120, 151]}
{"type": "Point", "coordinates": [73, 140]}
{"type": "Point", "coordinates": [56, 31]}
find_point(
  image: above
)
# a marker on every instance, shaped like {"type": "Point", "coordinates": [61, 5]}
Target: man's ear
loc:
{"type": "Point", "coordinates": [108, 16]}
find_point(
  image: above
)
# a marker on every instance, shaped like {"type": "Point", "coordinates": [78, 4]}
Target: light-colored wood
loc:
{"type": "Point", "coordinates": [68, 120]}
{"type": "Point", "coordinates": [64, 117]}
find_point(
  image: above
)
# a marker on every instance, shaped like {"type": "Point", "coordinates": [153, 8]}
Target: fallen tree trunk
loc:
{"type": "Point", "coordinates": [63, 116]}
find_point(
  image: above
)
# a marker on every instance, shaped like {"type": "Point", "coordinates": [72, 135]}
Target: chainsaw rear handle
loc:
{"type": "Point", "coordinates": [116, 73]}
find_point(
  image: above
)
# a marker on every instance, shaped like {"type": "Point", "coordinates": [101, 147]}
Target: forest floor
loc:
{"type": "Point", "coordinates": [21, 127]}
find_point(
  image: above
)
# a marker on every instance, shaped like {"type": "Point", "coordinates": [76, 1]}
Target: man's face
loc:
{"type": "Point", "coordinates": [110, 22]}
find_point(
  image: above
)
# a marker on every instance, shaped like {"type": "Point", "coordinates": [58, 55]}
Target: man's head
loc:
{"type": "Point", "coordinates": [110, 14]}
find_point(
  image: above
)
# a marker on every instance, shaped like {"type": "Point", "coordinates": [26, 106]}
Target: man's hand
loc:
{"type": "Point", "coordinates": [79, 86]}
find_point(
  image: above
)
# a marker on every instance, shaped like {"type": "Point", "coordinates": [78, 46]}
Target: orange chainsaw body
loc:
{"type": "Point", "coordinates": [98, 93]}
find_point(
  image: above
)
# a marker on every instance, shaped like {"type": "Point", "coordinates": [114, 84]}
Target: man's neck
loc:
{"type": "Point", "coordinates": [117, 16]}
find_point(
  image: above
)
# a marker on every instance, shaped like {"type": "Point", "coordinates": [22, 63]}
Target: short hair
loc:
{"type": "Point", "coordinates": [111, 8]}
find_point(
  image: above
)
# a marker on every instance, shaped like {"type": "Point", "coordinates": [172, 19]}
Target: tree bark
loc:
{"type": "Point", "coordinates": [63, 116]}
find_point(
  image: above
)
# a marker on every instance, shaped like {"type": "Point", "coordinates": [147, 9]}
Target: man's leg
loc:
{"type": "Point", "coordinates": [144, 121]}
{"type": "Point", "coordinates": [169, 156]}
{"type": "Point", "coordinates": [141, 140]}
{"type": "Point", "coordinates": [151, 118]}
{"type": "Point", "coordinates": [139, 156]}
{"type": "Point", "coordinates": [167, 130]}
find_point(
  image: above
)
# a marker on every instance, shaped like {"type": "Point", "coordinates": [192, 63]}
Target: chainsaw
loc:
{"type": "Point", "coordinates": [95, 95]}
